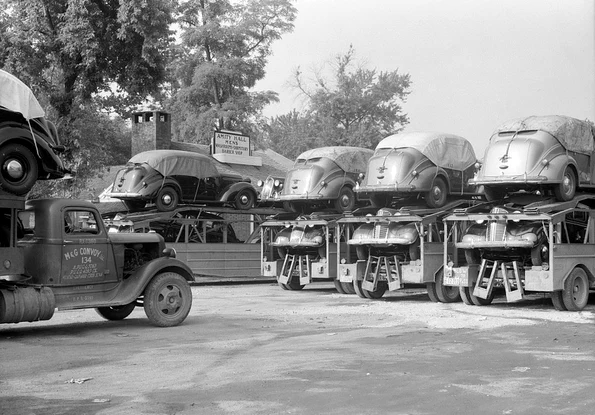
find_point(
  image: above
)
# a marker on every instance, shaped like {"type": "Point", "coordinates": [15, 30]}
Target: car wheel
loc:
{"type": "Point", "coordinates": [472, 256]}
{"type": "Point", "coordinates": [346, 200]}
{"type": "Point", "coordinates": [362, 252]}
{"type": "Point", "coordinates": [245, 199]}
{"type": "Point", "coordinates": [19, 169]}
{"type": "Point", "coordinates": [167, 199]}
{"type": "Point", "coordinates": [576, 290]}
{"type": "Point", "coordinates": [540, 254]}
{"type": "Point", "coordinates": [167, 299]}
{"type": "Point", "coordinates": [437, 195]}
{"type": "Point", "coordinates": [380, 201]}
{"type": "Point", "coordinates": [493, 193]}
{"type": "Point", "coordinates": [117, 312]}
{"type": "Point", "coordinates": [567, 189]}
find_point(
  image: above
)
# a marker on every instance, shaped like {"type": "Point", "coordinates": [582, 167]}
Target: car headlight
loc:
{"type": "Point", "coordinates": [259, 183]}
{"type": "Point", "coordinates": [277, 183]}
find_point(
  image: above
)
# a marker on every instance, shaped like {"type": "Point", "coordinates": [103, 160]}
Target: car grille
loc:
{"type": "Point", "coordinates": [496, 229]}
{"type": "Point", "coordinates": [380, 231]}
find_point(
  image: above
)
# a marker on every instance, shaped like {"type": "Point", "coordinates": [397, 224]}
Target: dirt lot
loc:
{"type": "Point", "coordinates": [256, 349]}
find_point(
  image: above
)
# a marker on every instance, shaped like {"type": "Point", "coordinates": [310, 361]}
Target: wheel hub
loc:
{"type": "Point", "coordinates": [14, 169]}
{"type": "Point", "coordinates": [244, 199]}
{"type": "Point", "coordinates": [166, 199]}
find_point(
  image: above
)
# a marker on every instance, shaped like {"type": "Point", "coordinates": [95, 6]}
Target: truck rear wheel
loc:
{"type": "Point", "coordinates": [576, 290]}
{"type": "Point", "coordinates": [167, 299]}
{"type": "Point", "coordinates": [117, 312]}
{"type": "Point", "coordinates": [445, 293]}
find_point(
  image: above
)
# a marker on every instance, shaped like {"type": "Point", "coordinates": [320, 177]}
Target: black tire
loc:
{"type": "Point", "coordinates": [465, 295]}
{"type": "Point", "coordinates": [134, 205]}
{"type": "Point", "coordinates": [282, 252]}
{"type": "Point", "coordinates": [540, 254]}
{"type": "Point", "coordinates": [117, 312]}
{"type": "Point", "coordinates": [18, 169]}
{"type": "Point", "coordinates": [431, 288]}
{"type": "Point", "coordinates": [346, 200]}
{"type": "Point", "coordinates": [414, 251]}
{"type": "Point", "coordinates": [167, 199]}
{"type": "Point", "coordinates": [557, 301]}
{"type": "Point", "coordinates": [381, 288]}
{"type": "Point", "coordinates": [294, 286]}
{"type": "Point", "coordinates": [493, 193]}
{"type": "Point", "coordinates": [357, 287]}
{"type": "Point", "coordinates": [576, 290]}
{"type": "Point", "coordinates": [348, 287]}
{"type": "Point", "coordinates": [566, 190]}
{"type": "Point", "coordinates": [362, 252]}
{"type": "Point", "coordinates": [339, 286]}
{"type": "Point", "coordinates": [472, 256]}
{"type": "Point", "coordinates": [480, 301]}
{"type": "Point", "coordinates": [167, 300]}
{"type": "Point", "coordinates": [245, 199]}
{"type": "Point", "coordinates": [438, 193]}
{"type": "Point", "coordinates": [380, 201]}
{"type": "Point", "coordinates": [445, 293]}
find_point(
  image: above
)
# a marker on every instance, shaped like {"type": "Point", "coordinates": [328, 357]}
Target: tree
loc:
{"type": "Point", "coordinates": [223, 53]}
{"type": "Point", "coordinates": [358, 107]}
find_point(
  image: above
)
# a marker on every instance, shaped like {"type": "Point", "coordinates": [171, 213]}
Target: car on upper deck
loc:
{"type": "Point", "coordinates": [324, 177]}
{"type": "Point", "coordinates": [552, 154]}
{"type": "Point", "coordinates": [419, 164]}
{"type": "Point", "coordinates": [169, 177]}
{"type": "Point", "coordinates": [29, 144]}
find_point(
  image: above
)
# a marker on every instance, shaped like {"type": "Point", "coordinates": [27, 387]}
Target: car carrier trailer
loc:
{"type": "Point", "coordinates": [389, 248]}
{"type": "Point", "coordinates": [298, 249]}
{"type": "Point", "coordinates": [523, 245]}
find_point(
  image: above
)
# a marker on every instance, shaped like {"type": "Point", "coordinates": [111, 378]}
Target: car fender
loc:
{"type": "Point", "coordinates": [335, 185]}
{"type": "Point", "coordinates": [133, 286]}
{"type": "Point", "coordinates": [229, 192]}
{"type": "Point", "coordinates": [9, 134]}
{"type": "Point", "coordinates": [154, 187]}
{"type": "Point", "coordinates": [424, 181]}
{"type": "Point", "coordinates": [558, 165]}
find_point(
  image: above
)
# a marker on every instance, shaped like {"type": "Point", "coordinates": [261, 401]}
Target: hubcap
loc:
{"type": "Point", "coordinates": [14, 169]}
{"type": "Point", "coordinates": [166, 199]}
{"type": "Point", "coordinates": [244, 199]}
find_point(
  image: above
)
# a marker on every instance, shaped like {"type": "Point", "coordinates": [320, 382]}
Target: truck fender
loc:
{"type": "Point", "coordinates": [229, 192]}
{"type": "Point", "coordinates": [133, 286]}
{"type": "Point", "coordinates": [585, 268]}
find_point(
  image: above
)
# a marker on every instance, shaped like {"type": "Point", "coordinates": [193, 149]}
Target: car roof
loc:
{"type": "Point", "coordinates": [174, 162]}
{"type": "Point", "coordinates": [573, 134]}
{"type": "Point", "coordinates": [350, 159]}
{"type": "Point", "coordinates": [443, 149]}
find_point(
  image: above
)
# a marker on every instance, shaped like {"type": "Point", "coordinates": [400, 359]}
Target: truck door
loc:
{"type": "Point", "coordinates": [85, 249]}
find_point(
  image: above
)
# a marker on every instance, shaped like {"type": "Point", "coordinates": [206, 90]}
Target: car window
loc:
{"type": "Point", "coordinates": [80, 222]}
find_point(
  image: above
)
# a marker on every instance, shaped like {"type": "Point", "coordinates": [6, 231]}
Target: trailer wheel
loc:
{"type": "Point", "coordinates": [445, 293]}
{"type": "Point", "coordinates": [464, 293]}
{"type": "Point", "coordinates": [566, 190]}
{"type": "Point", "coordinates": [557, 301]}
{"type": "Point", "coordinates": [117, 312]}
{"type": "Point", "coordinates": [378, 292]}
{"type": "Point", "coordinates": [357, 287]}
{"type": "Point", "coordinates": [431, 287]}
{"type": "Point", "coordinates": [576, 290]}
{"type": "Point", "coordinates": [294, 286]}
{"type": "Point", "coordinates": [339, 286]}
{"type": "Point", "coordinates": [167, 299]}
{"type": "Point", "coordinates": [436, 196]}
{"type": "Point", "coordinates": [167, 199]}
{"type": "Point", "coordinates": [348, 288]}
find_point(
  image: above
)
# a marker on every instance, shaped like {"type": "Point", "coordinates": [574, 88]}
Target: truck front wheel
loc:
{"type": "Point", "coordinates": [117, 312]}
{"type": "Point", "coordinates": [167, 300]}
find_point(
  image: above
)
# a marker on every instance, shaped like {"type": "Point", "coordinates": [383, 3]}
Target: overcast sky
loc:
{"type": "Point", "coordinates": [473, 63]}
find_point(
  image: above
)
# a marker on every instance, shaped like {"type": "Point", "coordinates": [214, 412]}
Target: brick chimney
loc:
{"type": "Point", "coordinates": [151, 130]}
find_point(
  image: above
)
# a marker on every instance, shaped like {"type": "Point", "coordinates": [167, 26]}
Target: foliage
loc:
{"type": "Point", "coordinates": [223, 52]}
{"type": "Point", "coordinates": [357, 107]}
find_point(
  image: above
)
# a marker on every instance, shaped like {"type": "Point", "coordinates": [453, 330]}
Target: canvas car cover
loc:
{"type": "Point", "coordinates": [176, 162]}
{"type": "Point", "coordinates": [17, 97]}
{"type": "Point", "coordinates": [573, 134]}
{"type": "Point", "coordinates": [349, 159]}
{"type": "Point", "coordinates": [444, 150]}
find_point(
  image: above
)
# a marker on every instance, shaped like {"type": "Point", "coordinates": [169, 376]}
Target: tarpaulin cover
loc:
{"type": "Point", "coordinates": [17, 97]}
{"type": "Point", "coordinates": [573, 134]}
{"type": "Point", "coordinates": [176, 162]}
{"type": "Point", "coordinates": [444, 150]}
{"type": "Point", "coordinates": [349, 159]}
